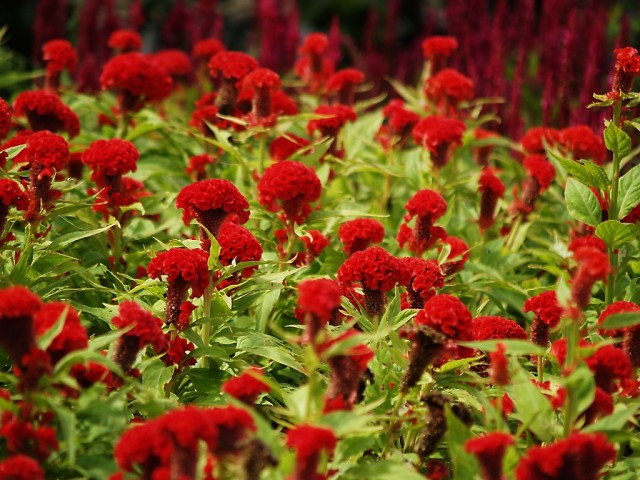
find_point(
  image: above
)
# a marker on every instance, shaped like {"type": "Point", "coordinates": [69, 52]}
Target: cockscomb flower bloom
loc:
{"type": "Point", "coordinates": [5, 119]}
{"type": "Point", "coordinates": [314, 244]}
{"type": "Point", "coordinates": [136, 79]}
{"type": "Point", "coordinates": [109, 160]}
{"type": "Point", "coordinates": [437, 50]}
{"type": "Point", "coordinates": [448, 315]}
{"type": "Point", "coordinates": [580, 142]}
{"type": "Point", "coordinates": [359, 234]}
{"type": "Point", "coordinates": [499, 366]}
{"type": "Point", "coordinates": [489, 449]}
{"type": "Point", "coordinates": [263, 82]}
{"type": "Point", "coordinates": [45, 111]}
{"type": "Point", "coordinates": [626, 67]}
{"type": "Point", "coordinates": [336, 117]}
{"type": "Point", "coordinates": [176, 63]}
{"type": "Point", "coordinates": [587, 241]}
{"type": "Point", "coordinates": [440, 136]}
{"type": "Point", "coordinates": [309, 442]}
{"type": "Point", "coordinates": [125, 41]}
{"type": "Point", "coordinates": [20, 138]}
{"type": "Point", "coordinates": [146, 330]}
{"type": "Point", "coordinates": [533, 142]}
{"type": "Point", "coordinates": [59, 55]}
{"type": "Point", "coordinates": [314, 67]}
{"type": "Point", "coordinates": [611, 368]}
{"type": "Point", "coordinates": [427, 206]}
{"type": "Point", "coordinates": [206, 115]}
{"type": "Point", "coordinates": [231, 68]}
{"type": "Point", "coordinates": [177, 350]}
{"type": "Point", "coordinates": [631, 343]}
{"type": "Point", "coordinates": [492, 190]}
{"type": "Point", "coordinates": [581, 455]}
{"type": "Point", "coordinates": [109, 202]}
{"type": "Point", "coordinates": [343, 83]}
{"type": "Point", "coordinates": [197, 166]}
{"type": "Point", "coordinates": [376, 272]}
{"type": "Point", "coordinates": [448, 88]}
{"type": "Point", "coordinates": [427, 345]}
{"type": "Point", "coordinates": [289, 186]}
{"type": "Point", "coordinates": [425, 278]}
{"type": "Point", "coordinates": [17, 333]}
{"type": "Point", "coordinates": [206, 48]}
{"type": "Point", "coordinates": [21, 467]}
{"type": "Point", "coordinates": [399, 122]}
{"type": "Point", "coordinates": [458, 255]}
{"type": "Point", "coordinates": [184, 269]}
{"type": "Point", "coordinates": [318, 304]}
{"type": "Point", "coordinates": [494, 327]}
{"type": "Point", "coordinates": [137, 447]}
{"type": "Point", "coordinates": [282, 148]}
{"type": "Point", "coordinates": [237, 244]}
{"type": "Point", "coordinates": [211, 202]}
{"type": "Point", "coordinates": [11, 195]}
{"type": "Point", "coordinates": [234, 428]}
{"type": "Point", "coordinates": [540, 175]}
{"type": "Point", "coordinates": [246, 387]}
{"type": "Point", "coordinates": [593, 266]}
{"type": "Point", "coordinates": [481, 154]}
{"type": "Point", "coordinates": [73, 335]}
{"type": "Point", "coordinates": [547, 315]}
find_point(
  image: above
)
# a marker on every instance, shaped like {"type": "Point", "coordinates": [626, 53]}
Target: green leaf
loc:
{"type": "Point", "coordinates": [617, 141]}
{"type": "Point", "coordinates": [628, 192]}
{"type": "Point", "coordinates": [14, 151]}
{"type": "Point", "coordinates": [514, 347]}
{"type": "Point", "coordinates": [614, 422]}
{"type": "Point", "coordinates": [582, 203]}
{"type": "Point", "coordinates": [621, 320]}
{"type": "Point", "coordinates": [45, 340]}
{"type": "Point", "coordinates": [586, 172]}
{"type": "Point", "coordinates": [385, 469]}
{"type": "Point", "coordinates": [615, 234]}
{"type": "Point", "coordinates": [69, 238]}
{"type": "Point", "coordinates": [581, 387]}
{"type": "Point", "coordinates": [268, 347]}
{"type": "Point", "coordinates": [464, 463]}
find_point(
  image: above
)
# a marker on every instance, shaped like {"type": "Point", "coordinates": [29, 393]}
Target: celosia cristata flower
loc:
{"type": "Point", "coordinates": [314, 244]}
{"type": "Point", "coordinates": [125, 41]}
{"type": "Point", "coordinates": [234, 428]}
{"type": "Point", "coordinates": [425, 278]}
{"type": "Point", "coordinates": [399, 121]}
{"type": "Point", "coordinates": [540, 175]}
{"type": "Point", "coordinates": [489, 449]}
{"type": "Point", "coordinates": [580, 142]}
{"type": "Point", "coordinates": [587, 241]}
{"type": "Point", "coordinates": [184, 269]}
{"type": "Point", "coordinates": [263, 82]}
{"type": "Point", "coordinates": [581, 455]}
{"type": "Point", "coordinates": [246, 387]}
{"type": "Point", "coordinates": [175, 62]}
{"type": "Point", "coordinates": [626, 67]}
{"type": "Point", "coordinates": [492, 190]}
{"type": "Point", "coordinates": [494, 327]}
{"type": "Point", "coordinates": [206, 115]}
{"type": "Point", "coordinates": [136, 79]}
{"type": "Point", "coordinates": [437, 50]}
{"type": "Point", "coordinates": [343, 83]}
{"type": "Point", "coordinates": [359, 234]}
{"type": "Point", "coordinates": [427, 206]}
{"type": "Point", "coordinates": [231, 67]}
{"type": "Point", "coordinates": [289, 186]}
{"type": "Point", "coordinates": [59, 55]}
{"type": "Point", "coordinates": [448, 315]}
{"type": "Point", "coordinates": [206, 48]}
{"type": "Point", "coordinates": [197, 166]}
{"type": "Point", "coordinates": [73, 335]}
{"type": "Point", "coordinates": [439, 135]}
{"type": "Point", "coordinates": [593, 266]}
{"type": "Point", "coordinates": [533, 142]}
{"type": "Point", "coordinates": [309, 442]}
{"type": "Point", "coordinates": [211, 202]}
{"type": "Point", "coordinates": [314, 67]}
{"type": "Point", "coordinates": [631, 343]}
{"type": "Point", "coordinates": [447, 88]}
{"type": "Point", "coordinates": [137, 447]}
{"type": "Point", "coordinates": [20, 138]}
{"type": "Point", "coordinates": [146, 330]}
{"type": "Point", "coordinates": [611, 368]}
{"type": "Point", "coordinates": [45, 111]}
{"type": "Point", "coordinates": [237, 244]}
{"type": "Point", "coordinates": [481, 154]}
{"type": "Point", "coordinates": [282, 148]}
{"type": "Point", "coordinates": [11, 195]}
{"type": "Point", "coordinates": [547, 314]}
{"type": "Point", "coordinates": [318, 304]}
{"type": "Point", "coordinates": [177, 350]}
{"type": "Point", "coordinates": [376, 272]}
{"type": "Point", "coordinates": [458, 255]}
{"type": "Point", "coordinates": [499, 366]}
{"type": "Point", "coordinates": [335, 117]}
{"type": "Point", "coordinates": [109, 160]}
{"type": "Point", "coordinates": [21, 467]}
{"type": "Point", "coordinates": [5, 119]}
{"type": "Point", "coordinates": [17, 307]}
{"type": "Point", "coordinates": [426, 346]}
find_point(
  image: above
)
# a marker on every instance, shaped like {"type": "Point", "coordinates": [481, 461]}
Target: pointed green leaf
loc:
{"type": "Point", "coordinates": [617, 141]}
{"type": "Point", "coordinates": [582, 203]}
{"type": "Point", "coordinates": [615, 234]}
{"type": "Point", "coordinates": [629, 192]}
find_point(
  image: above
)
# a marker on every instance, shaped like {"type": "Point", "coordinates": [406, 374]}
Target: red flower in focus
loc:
{"type": "Point", "coordinates": [626, 67]}
{"type": "Point", "coordinates": [399, 121]}
{"type": "Point", "coordinates": [175, 62]}
{"type": "Point", "coordinates": [5, 119]}
{"type": "Point", "coordinates": [609, 364]}
{"type": "Point", "coordinates": [309, 441]}
{"type": "Point", "coordinates": [376, 272]}
{"type": "Point", "coordinates": [45, 111]}
{"type": "Point", "coordinates": [492, 189]}
{"type": "Point", "coordinates": [247, 386]}
{"type": "Point", "coordinates": [73, 335]}
{"type": "Point", "coordinates": [11, 195]}
{"type": "Point", "coordinates": [263, 82]}
{"type": "Point", "coordinates": [178, 349]}
{"type": "Point", "coordinates": [533, 142]}
{"type": "Point", "coordinates": [282, 148]}
{"type": "Point", "coordinates": [234, 426]}
{"type": "Point", "coordinates": [495, 327]}
{"type": "Point", "coordinates": [428, 206]}
{"type": "Point", "coordinates": [198, 165]}
{"type": "Point", "coordinates": [289, 186]}
{"type": "Point", "coordinates": [20, 467]}
{"type": "Point", "coordinates": [125, 41]}
{"type": "Point", "coordinates": [449, 87]}
{"type": "Point", "coordinates": [425, 278]}
{"type": "Point", "coordinates": [580, 456]}
{"type": "Point", "coordinates": [231, 67]}
{"type": "Point", "coordinates": [59, 55]}
{"type": "Point", "coordinates": [446, 314]}
{"type": "Point", "coordinates": [439, 135]}
{"type": "Point", "coordinates": [343, 83]}
{"type": "Point", "coordinates": [359, 234]}
{"type": "Point", "coordinates": [206, 48]}
{"type": "Point", "coordinates": [237, 244]}
{"type": "Point", "coordinates": [489, 449]}
{"type": "Point", "coordinates": [136, 79]}
{"type": "Point", "coordinates": [631, 343]}
{"type": "Point", "coordinates": [458, 255]}
{"type": "Point", "coordinates": [109, 159]}
{"type": "Point", "coordinates": [581, 142]}
{"type": "Point", "coordinates": [437, 50]}
{"type": "Point", "coordinates": [593, 266]}
{"type": "Point", "coordinates": [547, 314]}
{"type": "Point", "coordinates": [335, 117]}
{"type": "Point", "coordinates": [318, 304]}
{"type": "Point", "coordinates": [314, 67]}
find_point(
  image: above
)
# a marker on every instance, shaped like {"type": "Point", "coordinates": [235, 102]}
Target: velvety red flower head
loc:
{"type": "Point", "coordinates": [547, 314]}
{"type": "Point", "coordinates": [17, 307]}
{"type": "Point", "coordinates": [458, 255]}
{"type": "Point", "coordinates": [439, 135]}
{"type": "Point", "coordinates": [289, 186]}
{"type": "Point", "coordinates": [314, 44]}
{"type": "Point", "coordinates": [286, 146]}
{"type": "Point", "coordinates": [73, 335]}
{"type": "Point", "coordinates": [125, 41]}
{"type": "Point", "coordinates": [234, 427]}
{"type": "Point", "coordinates": [538, 167]}
{"type": "Point", "coordinates": [344, 82]}
{"type": "Point", "coordinates": [318, 303]}
{"type": "Point", "coordinates": [5, 118]}
{"type": "Point", "coordinates": [490, 182]}
{"type": "Point", "coordinates": [399, 118]}
{"type": "Point", "coordinates": [137, 446]}
{"type": "Point", "coordinates": [580, 456]}
{"type": "Point", "coordinates": [611, 368]}
{"type": "Point", "coordinates": [260, 78]}
{"type": "Point", "coordinates": [45, 111]}
{"type": "Point", "coordinates": [206, 48]}
{"type": "Point", "coordinates": [593, 266]}
{"type": "Point", "coordinates": [247, 387]}
{"type": "Point", "coordinates": [449, 84]}
{"type": "Point", "coordinates": [617, 307]}
{"type": "Point", "coordinates": [587, 241]}
{"type": "Point", "coordinates": [626, 67]}
{"type": "Point", "coordinates": [110, 158]}
{"type": "Point", "coordinates": [20, 467]}
{"type": "Point", "coordinates": [175, 62]}
{"type": "Point", "coordinates": [495, 327]}
{"type": "Point", "coordinates": [47, 152]}
{"type": "Point", "coordinates": [439, 46]}
{"type": "Point", "coordinates": [314, 244]}
{"type": "Point", "coordinates": [425, 278]}
{"type": "Point", "coordinates": [492, 189]}
{"type": "Point", "coordinates": [534, 140]}
{"type": "Point", "coordinates": [59, 56]}
{"type": "Point", "coordinates": [336, 117]}
{"type": "Point", "coordinates": [211, 202]}
{"type": "Point", "coordinates": [263, 82]}
{"type": "Point", "coordinates": [359, 234]}
{"type": "Point", "coordinates": [489, 449]}
{"type": "Point", "coordinates": [428, 206]}
{"type": "Point", "coordinates": [309, 441]}
{"type": "Point", "coordinates": [448, 315]}
{"type": "Point", "coordinates": [232, 65]}
{"type": "Point", "coordinates": [11, 195]}
{"type": "Point", "coordinates": [581, 142]}
{"type": "Point", "coordinates": [237, 244]}
{"type": "Point", "coordinates": [137, 79]}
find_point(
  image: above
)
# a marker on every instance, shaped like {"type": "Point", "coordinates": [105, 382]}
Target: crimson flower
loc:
{"type": "Point", "coordinates": [425, 278]}
{"type": "Point", "coordinates": [314, 244]}
{"type": "Point", "coordinates": [318, 301]}
{"type": "Point", "coordinates": [176, 63]}
{"type": "Point", "coordinates": [448, 315]}
{"type": "Point", "coordinates": [580, 142]}
{"type": "Point", "coordinates": [492, 190]}
{"type": "Point", "coordinates": [540, 175]}
{"type": "Point", "coordinates": [399, 122]}
{"type": "Point", "coordinates": [447, 88]}
{"type": "Point", "coordinates": [489, 449]}
{"type": "Point", "coordinates": [335, 117]}
{"type": "Point", "coordinates": [359, 234]}
{"type": "Point", "coordinates": [631, 343]}
{"type": "Point", "coordinates": [495, 327]}
{"type": "Point", "coordinates": [343, 83]}
{"type": "Point", "coordinates": [439, 135]}
{"type": "Point", "coordinates": [247, 387]}
{"type": "Point", "coordinates": [282, 148]}
{"type": "Point", "coordinates": [198, 166]}
{"type": "Point", "coordinates": [231, 68]}
{"type": "Point", "coordinates": [458, 255]}
{"type": "Point", "coordinates": [314, 67]}
{"type": "Point", "coordinates": [206, 48]}
{"type": "Point", "coordinates": [263, 82]}
{"type": "Point", "coordinates": [234, 427]}
{"type": "Point", "coordinates": [11, 195]}
{"type": "Point", "coordinates": [547, 314]}
{"type": "Point", "coordinates": [437, 50]}
{"type": "Point", "coordinates": [237, 244]}
{"type": "Point", "coordinates": [5, 119]}
{"type": "Point", "coordinates": [593, 266]}
{"type": "Point", "coordinates": [626, 67]}
{"type": "Point", "coordinates": [17, 307]}
{"type": "Point", "coordinates": [499, 366]}
{"type": "Point", "coordinates": [59, 55]}
{"type": "Point", "coordinates": [20, 467]}
{"type": "Point", "coordinates": [125, 41]}
{"type": "Point", "coordinates": [45, 111]}
{"type": "Point", "coordinates": [533, 142]}
{"type": "Point", "coordinates": [309, 442]}
{"type": "Point", "coordinates": [427, 206]}
{"type": "Point", "coordinates": [73, 335]}
{"type": "Point", "coordinates": [611, 368]}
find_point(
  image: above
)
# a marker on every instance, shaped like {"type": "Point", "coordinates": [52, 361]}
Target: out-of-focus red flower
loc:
{"type": "Point", "coordinates": [11, 195]}
{"type": "Point", "coordinates": [231, 67]}
{"type": "Point", "coordinates": [73, 335]}
{"type": "Point", "coordinates": [547, 314]}
{"type": "Point", "coordinates": [5, 119]}
{"type": "Point", "coordinates": [593, 266]}
{"type": "Point", "coordinates": [437, 470]}
{"type": "Point", "coordinates": [580, 142]}
{"type": "Point", "coordinates": [237, 244]}
{"type": "Point", "coordinates": [177, 351]}
{"type": "Point", "coordinates": [495, 327]}
{"type": "Point", "coordinates": [359, 234]}
{"type": "Point", "coordinates": [533, 142]}
{"type": "Point", "coordinates": [343, 83]}
{"type": "Point", "coordinates": [309, 441]}
{"type": "Point", "coordinates": [399, 121]}
{"type": "Point", "coordinates": [448, 315]}
{"type": "Point", "coordinates": [282, 148]}
{"type": "Point", "coordinates": [590, 241]}
{"type": "Point", "coordinates": [427, 206]}
{"type": "Point", "coordinates": [458, 255]}
{"type": "Point", "coordinates": [427, 345]}
{"type": "Point", "coordinates": [437, 50]}
{"type": "Point", "coordinates": [21, 467]}
{"type": "Point", "coordinates": [631, 343]}
{"type": "Point", "coordinates": [175, 62]}
{"type": "Point", "coordinates": [24, 436]}
{"type": "Point", "coordinates": [198, 165]}
{"type": "Point", "coordinates": [59, 55]}
{"type": "Point", "coordinates": [540, 175]}
{"type": "Point", "coordinates": [206, 48]}
{"type": "Point", "coordinates": [626, 67]}
{"type": "Point", "coordinates": [318, 301]}
{"type": "Point", "coordinates": [499, 366]}
{"type": "Point", "coordinates": [125, 41]}
{"type": "Point", "coordinates": [449, 87]}
{"type": "Point", "coordinates": [439, 135]}
{"type": "Point", "coordinates": [314, 67]}
{"type": "Point", "coordinates": [20, 138]}
{"type": "Point", "coordinates": [336, 117]}
{"type": "Point", "coordinates": [492, 189]}
{"type": "Point", "coordinates": [247, 387]}
{"type": "Point", "coordinates": [425, 278]}
{"type": "Point", "coordinates": [234, 427]}
{"type": "Point", "coordinates": [263, 82]}
{"type": "Point", "coordinates": [611, 368]}
{"type": "Point", "coordinates": [314, 244]}
{"type": "Point", "coordinates": [45, 111]}
{"type": "Point", "coordinates": [489, 449]}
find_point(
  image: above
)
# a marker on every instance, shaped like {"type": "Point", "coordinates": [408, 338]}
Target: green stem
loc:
{"type": "Point", "coordinates": [394, 427]}
{"type": "Point", "coordinates": [513, 233]}
{"type": "Point", "coordinates": [613, 208]}
{"type": "Point", "coordinates": [262, 143]}
{"type": "Point", "coordinates": [571, 334]}
{"type": "Point", "coordinates": [205, 333]}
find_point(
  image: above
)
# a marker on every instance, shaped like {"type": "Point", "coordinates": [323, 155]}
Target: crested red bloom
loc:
{"type": "Point", "coordinates": [450, 85]}
{"type": "Point", "coordinates": [5, 118]}
{"type": "Point", "coordinates": [20, 138]}
{"type": "Point", "coordinates": [547, 314]}
{"type": "Point", "coordinates": [425, 278]}
{"type": "Point", "coordinates": [580, 142]}
{"type": "Point", "coordinates": [428, 206]}
{"type": "Point", "coordinates": [232, 65]}
{"type": "Point", "coordinates": [125, 41]}
{"type": "Point", "coordinates": [234, 427]}
{"type": "Point", "coordinates": [137, 79]}
{"type": "Point", "coordinates": [314, 44]}
{"type": "Point", "coordinates": [359, 234]}
{"type": "Point", "coordinates": [593, 266]}
{"type": "Point", "coordinates": [286, 146]}
{"type": "Point", "coordinates": [611, 368]}
{"type": "Point", "coordinates": [399, 121]}
{"type": "Point", "coordinates": [492, 189]}
{"type": "Point", "coordinates": [314, 244]}
{"type": "Point", "coordinates": [208, 114]}
{"type": "Point", "coordinates": [206, 48]}
{"type": "Point", "coordinates": [110, 158]}
{"type": "Point", "coordinates": [237, 244]}
{"type": "Point", "coordinates": [489, 449]}
{"type": "Point", "coordinates": [615, 308]}
{"type": "Point", "coordinates": [11, 195]}
{"type": "Point", "coordinates": [439, 135]}
{"type": "Point", "coordinates": [59, 55]}
{"type": "Point", "coordinates": [137, 446]}
{"type": "Point", "coordinates": [198, 165]}
{"type": "Point", "coordinates": [175, 62]}
{"type": "Point", "coordinates": [211, 202]}
{"type": "Point", "coordinates": [581, 455]}
{"type": "Point", "coordinates": [289, 186]}
{"type": "Point", "coordinates": [458, 255]}
{"type": "Point", "coordinates": [533, 142]}
{"type": "Point", "coordinates": [309, 441]}
{"type": "Point", "coordinates": [376, 272]}
{"type": "Point", "coordinates": [73, 335]}
{"type": "Point", "coordinates": [499, 366]}
{"type": "Point", "coordinates": [446, 314]}
{"type": "Point", "coordinates": [495, 327]}
{"type": "Point", "coordinates": [246, 387]}
{"type": "Point", "coordinates": [587, 241]}
{"type": "Point", "coordinates": [17, 307]}
{"type": "Point", "coordinates": [177, 350]}
{"type": "Point", "coordinates": [344, 83]}
{"type": "Point", "coordinates": [439, 46]}
{"type": "Point", "coordinates": [45, 111]}
{"type": "Point", "coordinates": [631, 344]}
{"type": "Point", "coordinates": [263, 82]}
{"type": "Point", "coordinates": [314, 66]}
{"type": "Point", "coordinates": [541, 169]}
{"type": "Point", "coordinates": [626, 67]}
{"type": "Point", "coordinates": [318, 301]}
{"type": "Point", "coordinates": [20, 467]}
{"type": "Point", "coordinates": [336, 117]}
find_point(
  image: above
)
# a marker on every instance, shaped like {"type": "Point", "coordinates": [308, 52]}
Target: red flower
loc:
{"type": "Point", "coordinates": [489, 449]}
{"type": "Point", "coordinates": [20, 467]}
{"type": "Point", "coordinates": [73, 335]}
{"type": "Point", "coordinates": [137, 79]}
{"type": "Point", "coordinates": [626, 67]}
{"type": "Point", "coordinates": [125, 41]}
{"type": "Point", "coordinates": [587, 241]}
{"type": "Point", "coordinates": [344, 83]}
{"type": "Point", "coordinates": [5, 119]}
{"type": "Point", "coordinates": [449, 85]}
{"type": "Point", "coordinates": [428, 206]}
{"type": "Point", "coordinates": [609, 364]}
{"type": "Point", "coordinates": [437, 50]}
{"type": "Point", "coordinates": [494, 327]}
{"type": "Point", "coordinates": [318, 302]}
{"type": "Point", "coordinates": [206, 48]}
{"type": "Point", "coordinates": [263, 82]}
{"type": "Point", "coordinates": [439, 135]}
{"type": "Point", "coordinates": [177, 350]}
{"type": "Point", "coordinates": [59, 55]}
{"type": "Point", "coordinates": [399, 121]}
{"type": "Point", "coordinates": [499, 369]}
{"type": "Point", "coordinates": [376, 272]}
{"type": "Point", "coordinates": [580, 456]}
{"type": "Point", "coordinates": [234, 426]}
{"type": "Point", "coordinates": [286, 146]}
{"type": "Point", "coordinates": [247, 386]}
{"type": "Point", "coordinates": [313, 66]}
{"type": "Point", "coordinates": [110, 158]}
{"type": "Point", "coordinates": [314, 243]}
{"type": "Point", "coordinates": [533, 142]}
{"type": "Point", "coordinates": [492, 189]}
{"type": "Point", "coordinates": [336, 117]}
{"type": "Point", "coordinates": [11, 195]}
{"type": "Point", "coordinates": [237, 244]}
{"type": "Point", "coordinates": [541, 169]}
{"type": "Point", "coordinates": [581, 142]}
{"type": "Point", "coordinates": [448, 315]}
{"type": "Point", "coordinates": [137, 446]}
{"type": "Point", "coordinates": [593, 266]}
{"type": "Point", "coordinates": [426, 278]}
{"type": "Point", "coordinates": [198, 165]}
{"type": "Point", "coordinates": [309, 441]}
{"type": "Point", "coordinates": [359, 234]}
{"type": "Point", "coordinates": [458, 255]}
{"type": "Point", "coordinates": [45, 111]}
{"type": "Point", "coordinates": [208, 114]}
{"type": "Point", "coordinates": [289, 186]}
{"type": "Point", "coordinates": [631, 344]}
{"type": "Point", "coordinates": [20, 138]}
{"type": "Point", "coordinates": [231, 67]}
{"type": "Point", "coordinates": [547, 314]}
{"type": "Point", "coordinates": [211, 202]}
{"type": "Point", "coordinates": [17, 307]}
{"type": "Point", "coordinates": [175, 62]}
